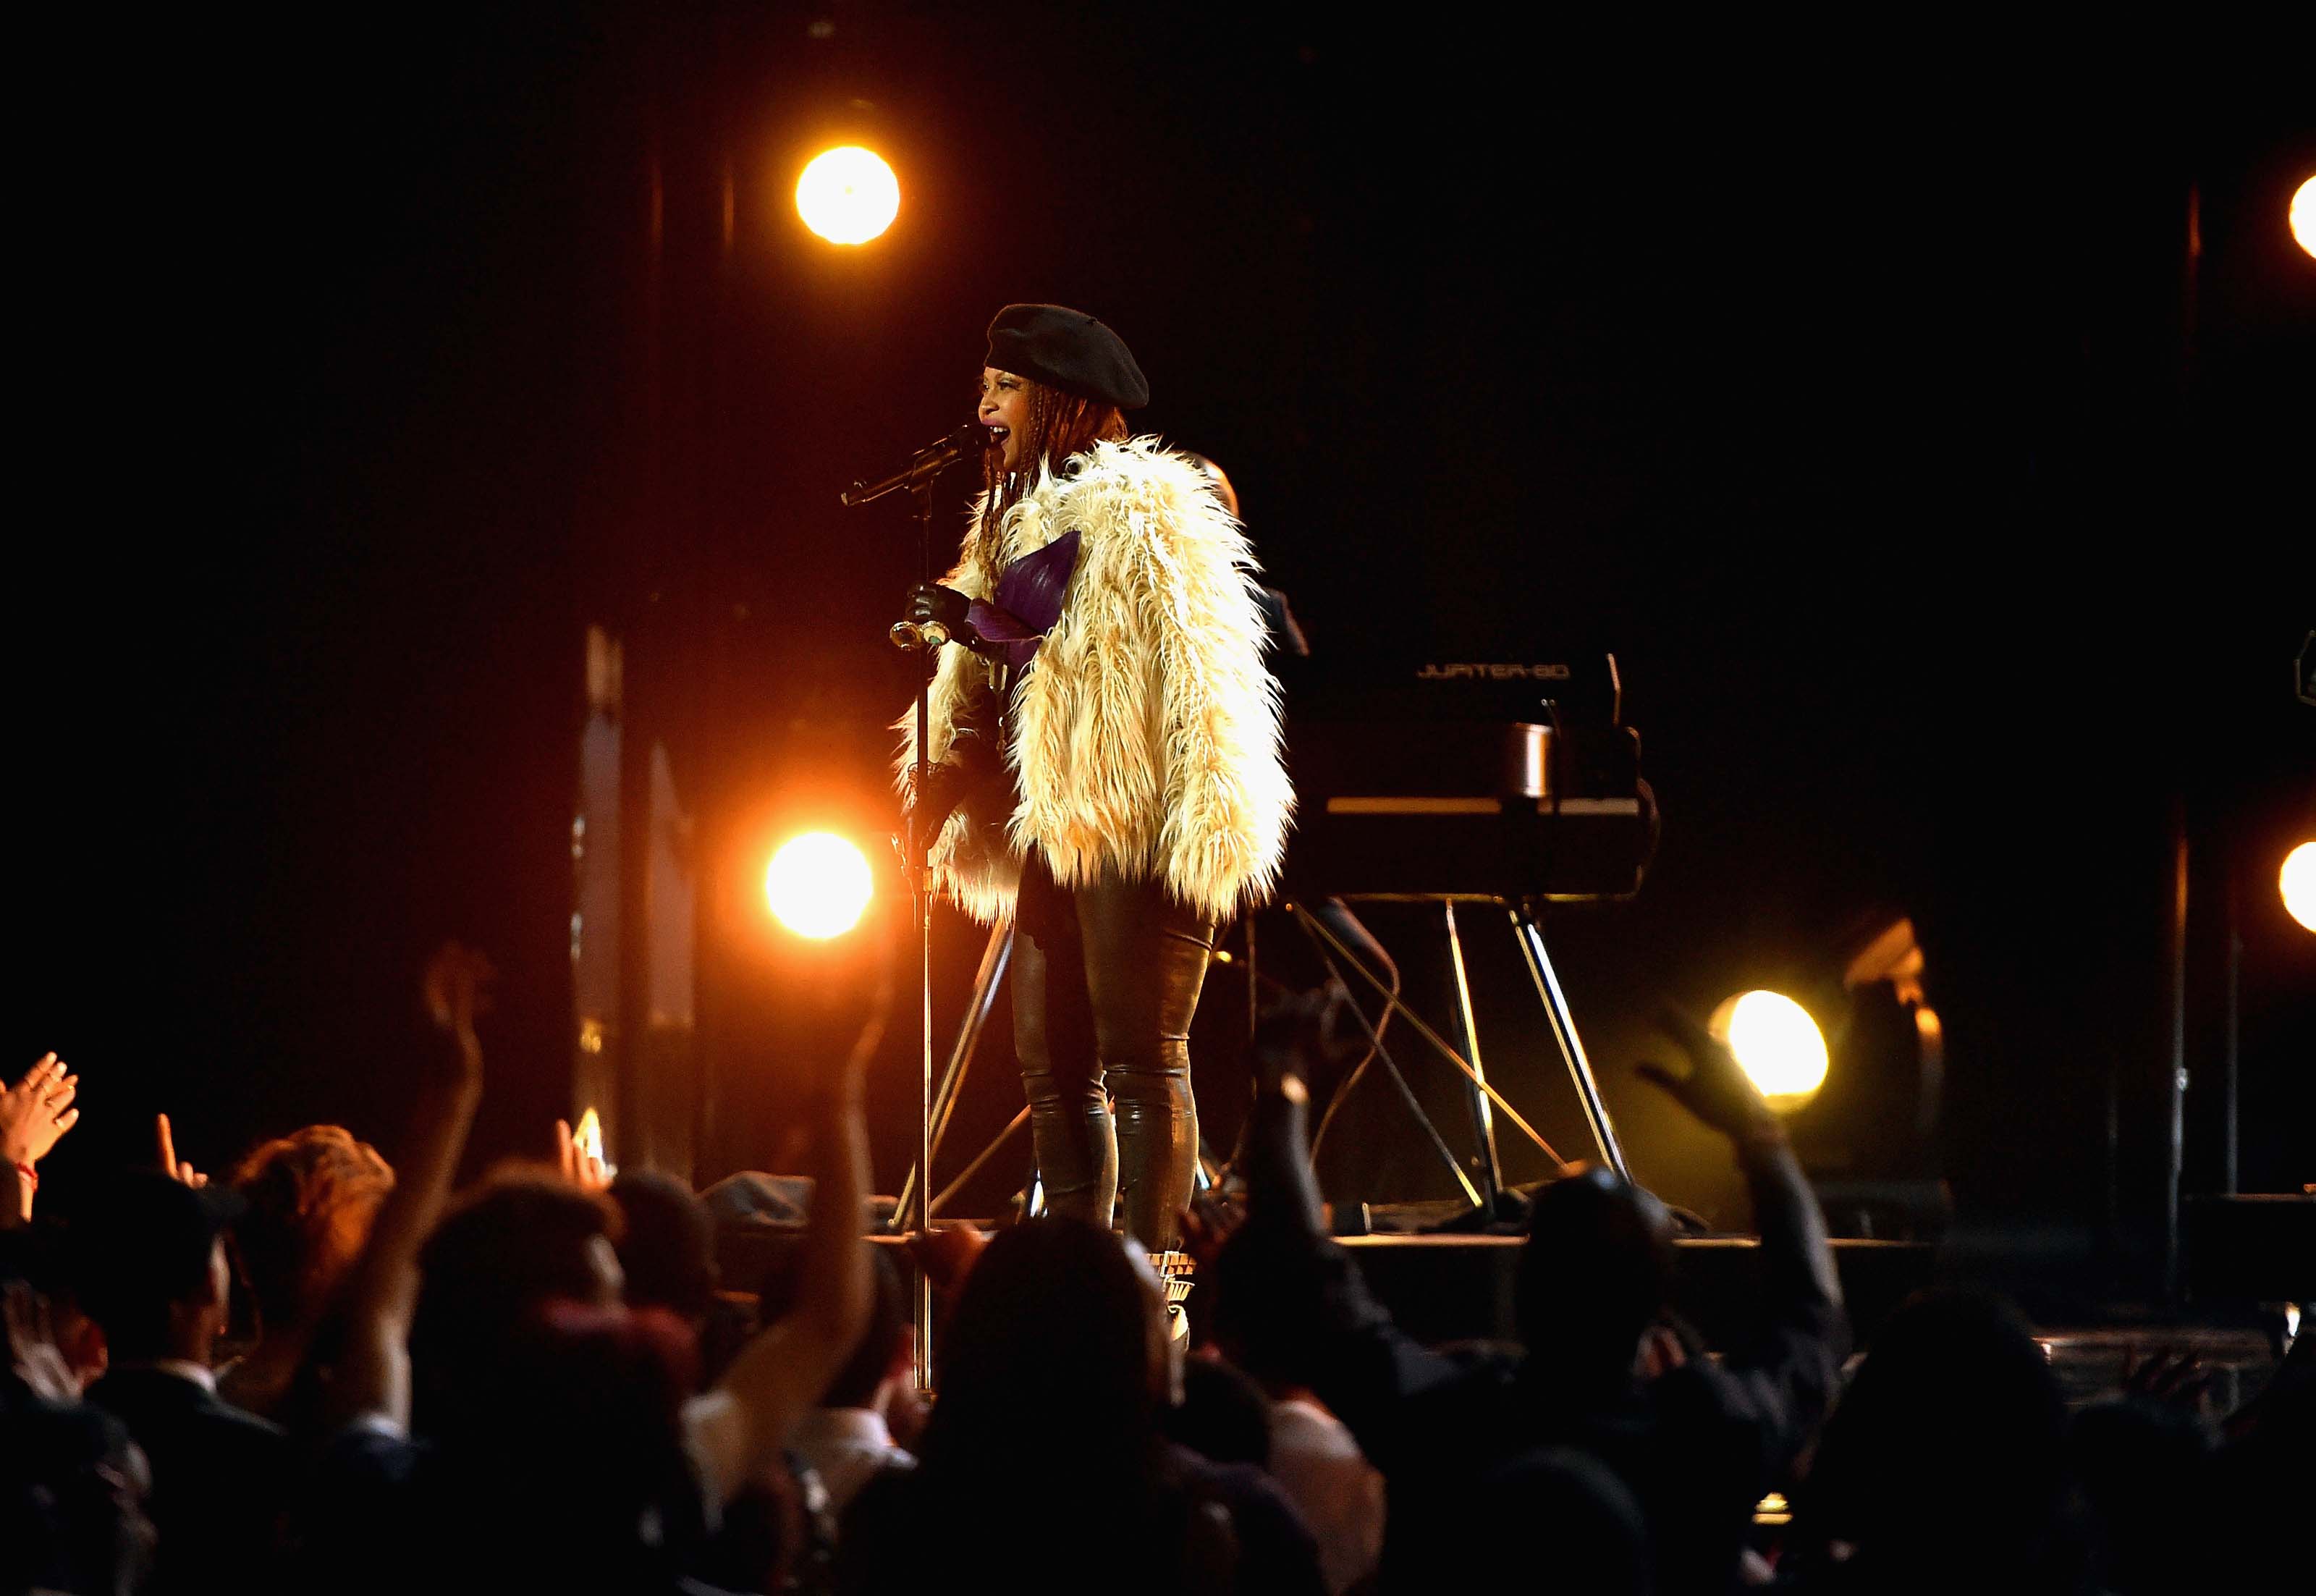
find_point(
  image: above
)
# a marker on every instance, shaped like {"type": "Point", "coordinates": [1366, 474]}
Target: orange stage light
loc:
{"type": "Point", "coordinates": [848, 195]}
{"type": "Point", "coordinates": [818, 885]}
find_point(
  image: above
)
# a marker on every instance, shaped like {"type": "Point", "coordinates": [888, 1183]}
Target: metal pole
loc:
{"type": "Point", "coordinates": [1564, 1032]}
{"type": "Point", "coordinates": [981, 1158]}
{"type": "Point", "coordinates": [922, 848]}
{"type": "Point", "coordinates": [1406, 1092]}
{"type": "Point", "coordinates": [2176, 1084]}
{"type": "Point", "coordinates": [1395, 1004]}
{"type": "Point", "coordinates": [994, 959]}
{"type": "Point", "coordinates": [1492, 1169]}
{"type": "Point", "coordinates": [2231, 1040]}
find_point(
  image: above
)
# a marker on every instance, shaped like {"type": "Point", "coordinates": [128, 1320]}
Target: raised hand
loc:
{"type": "Point", "coordinates": [1714, 1088]}
{"type": "Point", "coordinates": [2175, 1380]}
{"type": "Point", "coordinates": [1295, 1034]}
{"type": "Point", "coordinates": [37, 1110]}
{"type": "Point", "coordinates": [582, 1166]}
{"type": "Point", "coordinates": [455, 989]}
{"type": "Point", "coordinates": [1206, 1224]}
{"type": "Point", "coordinates": [32, 1351]}
{"type": "Point", "coordinates": [182, 1172]}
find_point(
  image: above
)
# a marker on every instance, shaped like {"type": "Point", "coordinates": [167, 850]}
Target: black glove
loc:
{"type": "Point", "coordinates": [931, 603]}
{"type": "Point", "coordinates": [934, 793]}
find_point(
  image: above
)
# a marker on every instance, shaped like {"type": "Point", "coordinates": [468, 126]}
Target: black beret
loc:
{"type": "Point", "coordinates": [1068, 350]}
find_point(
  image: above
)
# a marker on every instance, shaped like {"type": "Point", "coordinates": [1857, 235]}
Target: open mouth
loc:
{"type": "Point", "coordinates": [997, 436]}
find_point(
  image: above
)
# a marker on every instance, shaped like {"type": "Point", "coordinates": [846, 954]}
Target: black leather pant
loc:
{"type": "Point", "coordinates": [1106, 977]}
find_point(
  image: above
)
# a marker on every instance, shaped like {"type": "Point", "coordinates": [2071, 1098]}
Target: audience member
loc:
{"type": "Point", "coordinates": [312, 1196]}
{"type": "Point", "coordinates": [1045, 1458]}
{"type": "Point", "coordinates": [2144, 1467]}
{"type": "Point", "coordinates": [507, 1390]}
{"type": "Point", "coordinates": [72, 1490]}
{"type": "Point", "coordinates": [2259, 1477]}
{"type": "Point", "coordinates": [666, 1245]}
{"type": "Point", "coordinates": [847, 1439]}
{"type": "Point", "coordinates": [1311, 1453]}
{"type": "Point", "coordinates": [1560, 1511]}
{"type": "Point", "coordinates": [1695, 1441]}
{"type": "Point", "coordinates": [155, 1278]}
{"type": "Point", "coordinates": [1944, 1466]}
{"type": "Point", "coordinates": [43, 1268]}
{"type": "Point", "coordinates": [1222, 1416]}
{"type": "Point", "coordinates": [530, 1360]}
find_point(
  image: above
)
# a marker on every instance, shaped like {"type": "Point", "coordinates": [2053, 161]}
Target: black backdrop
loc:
{"type": "Point", "coordinates": [1859, 397]}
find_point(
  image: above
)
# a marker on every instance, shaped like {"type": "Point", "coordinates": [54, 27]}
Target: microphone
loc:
{"type": "Point", "coordinates": [964, 444]}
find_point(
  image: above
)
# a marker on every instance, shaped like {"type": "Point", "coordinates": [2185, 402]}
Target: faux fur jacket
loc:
{"type": "Point", "coordinates": [1145, 733]}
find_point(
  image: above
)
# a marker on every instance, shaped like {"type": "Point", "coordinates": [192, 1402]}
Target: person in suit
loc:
{"type": "Point", "coordinates": [155, 1278]}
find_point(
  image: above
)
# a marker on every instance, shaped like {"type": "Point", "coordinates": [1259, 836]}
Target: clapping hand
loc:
{"type": "Point", "coordinates": [37, 1110]}
{"type": "Point", "coordinates": [1715, 1088]}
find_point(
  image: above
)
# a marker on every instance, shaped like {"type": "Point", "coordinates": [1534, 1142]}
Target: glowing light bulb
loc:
{"type": "Point", "coordinates": [818, 885]}
{"type": "Point", "coordinates": [2303, 215]}
{"type": "Point", "coordinates": [2297, 881]}
{"type": "Point", "coordinates": [848, 195]}
{"type": "Point", "coordinates": [1776, 1043]}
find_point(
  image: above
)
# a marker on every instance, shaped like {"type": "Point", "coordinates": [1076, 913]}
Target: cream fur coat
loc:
{"type": "Point", "coordinates": [1145, 733]}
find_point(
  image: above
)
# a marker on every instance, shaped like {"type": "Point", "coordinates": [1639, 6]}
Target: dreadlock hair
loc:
{"type": "Point", "coordinates": [1061, 425]}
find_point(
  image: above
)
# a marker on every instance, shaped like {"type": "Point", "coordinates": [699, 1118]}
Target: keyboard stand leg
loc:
{"type": "Point", "coordinates": [1530, 938]}
{"type": "Point", "coordinates": [1483, 1121]}
{"type": "Point", "coordinates": [1383, 1055]}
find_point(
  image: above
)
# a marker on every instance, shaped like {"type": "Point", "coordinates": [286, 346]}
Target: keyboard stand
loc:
{"type": "Point", "coordinates": [1486, 1100]}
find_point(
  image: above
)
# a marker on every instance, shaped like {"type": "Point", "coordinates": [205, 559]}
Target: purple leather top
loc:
{"type": "Point", "coordinates": [1028, 600]}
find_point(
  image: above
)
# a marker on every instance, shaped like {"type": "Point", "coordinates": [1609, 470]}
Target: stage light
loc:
{"type": "Point", "coordinates": [848, 195]}
{"type": "Point", "coordinates": [2297, 882]}
{"type": "Point", "coordinates": [2303, 216]}
{"type": "Point", "coordinates": [1777, 1044]}
{"type": "Point", "coordinates": [818, 885]}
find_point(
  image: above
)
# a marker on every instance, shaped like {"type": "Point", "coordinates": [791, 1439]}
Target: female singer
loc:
{"type": "Point", "coordinates": [1106, 755]}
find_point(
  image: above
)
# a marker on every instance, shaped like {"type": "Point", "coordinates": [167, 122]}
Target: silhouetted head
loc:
{"type": "Point", "coordinates": [525, 1238]}
{"type": "Point", "coordinates": [312, 1196]}
{"type": "Point", "coordinates": [152, 1266]}
{"type": "Point", "coordinates": [1595, 1272]}
{"type": "Point", "coordinates": [2144, 1467]}
{"type": "Point", "coordinates": [1056, 1350]}
{"type": "Point", "coordinates": [1948, 1449]}
{"type": "Point", "coordinates": [667, 1243]}
{"type": "Point", "coordinates": [1562, 1500]}
{"type": "Point", "coordinates": [1222, 1416]}
{"type": "Point", "coordinates": [570, 1463]}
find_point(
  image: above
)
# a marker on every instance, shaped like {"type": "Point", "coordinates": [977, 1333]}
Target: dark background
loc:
{"type": "Point", "coordinates": [1950, 528]}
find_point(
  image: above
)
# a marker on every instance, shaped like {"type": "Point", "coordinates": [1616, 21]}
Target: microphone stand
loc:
{"type": "Point", "coordinates": [918, 477]}
{"type": "Point", "coordinates": [928, 651]}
